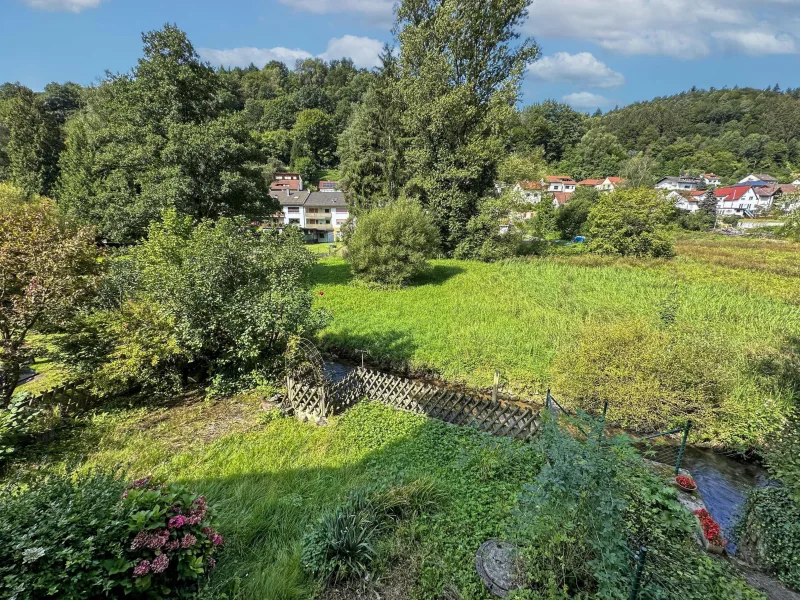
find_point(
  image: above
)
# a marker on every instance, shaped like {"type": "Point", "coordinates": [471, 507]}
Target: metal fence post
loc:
{"type": "Point", "coordinates": [637, 577]}
{"type": "Point", "coordinates": [682, 449]}
{"type": "Point", "coordinates": [547, 400]}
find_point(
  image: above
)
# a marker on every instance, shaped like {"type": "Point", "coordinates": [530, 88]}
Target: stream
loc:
{"type": "Point", "coordinates": [723, 482]}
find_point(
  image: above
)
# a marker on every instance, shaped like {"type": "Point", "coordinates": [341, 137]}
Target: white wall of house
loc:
{"type": "Point", "coordinates": [681, 202]}
{"type": "Point", "coordinates": [748, 201]}
{"type": "Point", "coordinates": [294, 215]}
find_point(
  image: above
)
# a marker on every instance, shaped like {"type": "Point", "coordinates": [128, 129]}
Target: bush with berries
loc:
{"type": "Point", "coordinates": [89, 537]}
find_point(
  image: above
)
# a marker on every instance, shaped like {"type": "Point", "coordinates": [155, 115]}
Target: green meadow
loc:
{"type": "Point", "coordinates": [712, 334]}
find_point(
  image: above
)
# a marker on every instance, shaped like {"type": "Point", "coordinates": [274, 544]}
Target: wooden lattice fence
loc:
{"type": "Point", "coordinates": [496, 416]}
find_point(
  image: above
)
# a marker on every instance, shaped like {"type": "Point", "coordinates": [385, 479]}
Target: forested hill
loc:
{"type": "Point", "coordinates": [729, 131]}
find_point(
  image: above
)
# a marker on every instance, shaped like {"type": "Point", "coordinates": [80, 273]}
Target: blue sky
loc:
{"type": "Point", "coordinates": [595, 53]}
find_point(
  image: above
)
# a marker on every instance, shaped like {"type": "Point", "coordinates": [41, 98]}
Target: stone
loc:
{"type": "Point", "coordinates": [496, 566]}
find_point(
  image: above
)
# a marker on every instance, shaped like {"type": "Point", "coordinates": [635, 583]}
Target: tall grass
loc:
{"type": "Point", "coordinates": [463, 320]}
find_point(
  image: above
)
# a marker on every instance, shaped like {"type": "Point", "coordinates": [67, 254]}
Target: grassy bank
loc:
{"type": "Point", "coordinates": [713, 333]}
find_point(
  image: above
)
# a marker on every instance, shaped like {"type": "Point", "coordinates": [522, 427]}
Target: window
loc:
{"type": "Point", "coordinates": [327, 210]}
{"type": "Point", "coordinates": [294, 221]}
{"type": "Point", "coordinates": [293, 209]}
{"type": "Point", "coordinates": [327, 221]}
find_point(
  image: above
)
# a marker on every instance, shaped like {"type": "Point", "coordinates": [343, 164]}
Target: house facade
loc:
{"type": "Point", "coordinates": [710, 179]}
{"type": "Point", "coordinates": [559, 183]}
{"type": "Point", "coordinates": [609, 184]}
{"type": "Point", "coordinates": [738, 200]}
{"type": "Point", "coordinates": [320, 215]}
{"type": "Point", "coordinates": [529, 191]}
{"type": "Point", "coordinates": [670, 183]}
{"type": "Point", "coordinates": [282, 182]}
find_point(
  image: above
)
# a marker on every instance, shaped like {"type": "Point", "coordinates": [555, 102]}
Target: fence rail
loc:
{"type": "Point", "coordinates": [494, 415]}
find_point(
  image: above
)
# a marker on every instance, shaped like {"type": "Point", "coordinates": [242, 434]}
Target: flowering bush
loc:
{"type": "Point", "coordinates": [711, 529]}
{"type": "Point", "coordinates": [172, 542]}
{"type": "Point", "coordinates": [91, 537]}
{"type": "Point", "coordinates": [686, 482]}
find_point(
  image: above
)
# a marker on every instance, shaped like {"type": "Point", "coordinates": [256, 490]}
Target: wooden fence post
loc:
{"type": "Point", "coordinates": [496, 385]}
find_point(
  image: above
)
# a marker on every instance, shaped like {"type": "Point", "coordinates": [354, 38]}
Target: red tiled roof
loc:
{"type": "Point", "coordinates": [698, 192]}
{"type": "Point", "coordinates": [591, 182]}
{"type": "Point", "coordinates": [731, 193]}
{"type": "Point", "coordinates": [561, 197]}
{"type": "Point", "coordinates": [559, 179]}
{"type": "Point", "coordinates": [529, 185]}
{"type": "Point", "coordinates": [615, 179]}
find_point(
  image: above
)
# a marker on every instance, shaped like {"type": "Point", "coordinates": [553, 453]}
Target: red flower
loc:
{"type": "Point", "coordinates": [321, 293]}
{"type": "Point", "coordinates": [711, 529]}
{"type": "Point", "coordinates": [686, 482]}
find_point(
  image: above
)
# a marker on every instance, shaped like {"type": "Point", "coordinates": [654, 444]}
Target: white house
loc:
{"type": "Point", "coordinates": [529, 191]}
{"type": "Point", "coordinates": [320, 215]}
{"type": "Point", "coordinates": [559, 183]}
{"type": "Point", "coordinates": [710, 179]}
{"type": "Point", "coordinates": [686, 200]}
{"type": "Point", "coordinates": [738, 200]}
{"type": "Point", "coordinates": [292, 212]}
{"type": "Point", "coordinates": [678, 183]}
{"type": "Point", "coordinates": [766, 178]}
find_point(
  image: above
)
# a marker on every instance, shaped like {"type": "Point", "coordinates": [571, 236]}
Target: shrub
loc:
{"type": "Point", "coordinates": [631, 222]}
{"type": "Point", "coordinates": [16, 422]}
{"type": "Point", "coordinates": [769, 532]}
{"type": "Point", "coordinates": [215, 301]}
{"type": "Point", "coordinates": [652, 378]}
{"type": "Point", "coordinates": [84, 538]}
{"type": "Point", "coordinates": [791, 226]}
{"type": "Point", "coordinates": [495, 233]}
{"type": "Point", "coordinates": [343, 543]}
{"type": "Point", "coordinates": [391, 244]}
{"type": "Point", "coordinates": [172, 543]}
{"type": "Point", "coordinates": [571, 218]}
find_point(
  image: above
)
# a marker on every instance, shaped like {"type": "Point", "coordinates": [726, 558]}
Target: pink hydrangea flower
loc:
{"type": "Point", "coordinates": [140, 483]}
{"type": "Point", "coordinates": [160, 564]}
{"type": "Point", "coordinates": [172, 545]}
{"type": "Point", "coordinates": [188, 541]}
{"type": "Point", "coordinates": [158, 539]}
{"type": "Point", "coordinates": [177, 522]}
{"type": "Point", "coordinates": [141, 540]}
{"type": "Point", "coordinates": [216, 539]}
{"type": "Point", "coordinates": [142, 569]}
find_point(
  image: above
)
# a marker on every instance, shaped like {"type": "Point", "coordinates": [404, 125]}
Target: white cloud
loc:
{"type": "Point", "coordinates": [580, 69]}
{"type": "Point", "coordinates": [75, 6]}
{"type": "Point", "coordinates": [243, 57]}
{"type": "Point", "coordinates": [376, 10]}
{"type": "Point", "coordinates": [757, 43]}
{"type": "Point", "coordinates": [685, 29]}
{"type": "Point", "coordinates": [586, 100]}
{"type": "Point", "coordinates": [362, 50]}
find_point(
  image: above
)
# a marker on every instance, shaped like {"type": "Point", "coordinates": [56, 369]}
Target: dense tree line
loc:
{"type": "Point", "coordinates": [731, 132]}
{"type": "Point", "coordinates": [175, 133]}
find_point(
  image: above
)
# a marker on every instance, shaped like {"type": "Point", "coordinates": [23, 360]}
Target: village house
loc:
{"type": "Point", "coordinates": [590, 183]}
{"type": "Point", "coordinates": [760, 177]}
{"type": "Point", "coordinates": [559, 183]}
{"type": "Point", "coordinates": [320, 215]}
{"type": "Point", "coordinates": [683, 182]}
{"type": "Point", "coordinates": [529, 191]}
{"type": "Point", "coordinates": [710, 179]}
{"type": "Point", "coordinates": [739, 200]}
{"type": "Point", "coordinates": [282, 182]}
{"type": "Point", "coordinates": [609, 184]}
{"type": "Point", "coordinates": [326, 185]}
{"type": "Point", "coordinates": [686, 200]}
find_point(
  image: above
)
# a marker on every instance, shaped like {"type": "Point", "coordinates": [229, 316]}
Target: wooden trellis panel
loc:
{"type": "Point", "coordinates": [498, 417]}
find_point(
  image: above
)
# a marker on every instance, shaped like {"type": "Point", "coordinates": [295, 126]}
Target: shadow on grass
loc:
{"type": "Point", "coordinates": [781, 367]}
{"type": "Point", "coordinates": [265, 508]}
{"type": "Point", "coordinates": [436, 275]}
{"type": "Point", "coordinates": [331, 273]}
{"type": "Point", "coordinates": [385, 349]}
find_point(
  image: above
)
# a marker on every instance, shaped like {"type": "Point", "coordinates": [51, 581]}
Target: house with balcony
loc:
{"type": "Point", "coordinates": [683, 182]}
{"type": "Point", "coordinates": [710, 179]}
{"type": "Point", "coordinates": [292, 208]}
{"type": "Point", "coordinates": [325, 215]}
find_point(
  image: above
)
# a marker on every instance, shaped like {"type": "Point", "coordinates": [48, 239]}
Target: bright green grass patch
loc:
{"type": "Point", "coordinates": [464, 319]}
{"type": "Point", "coordinates": [271, 478]}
